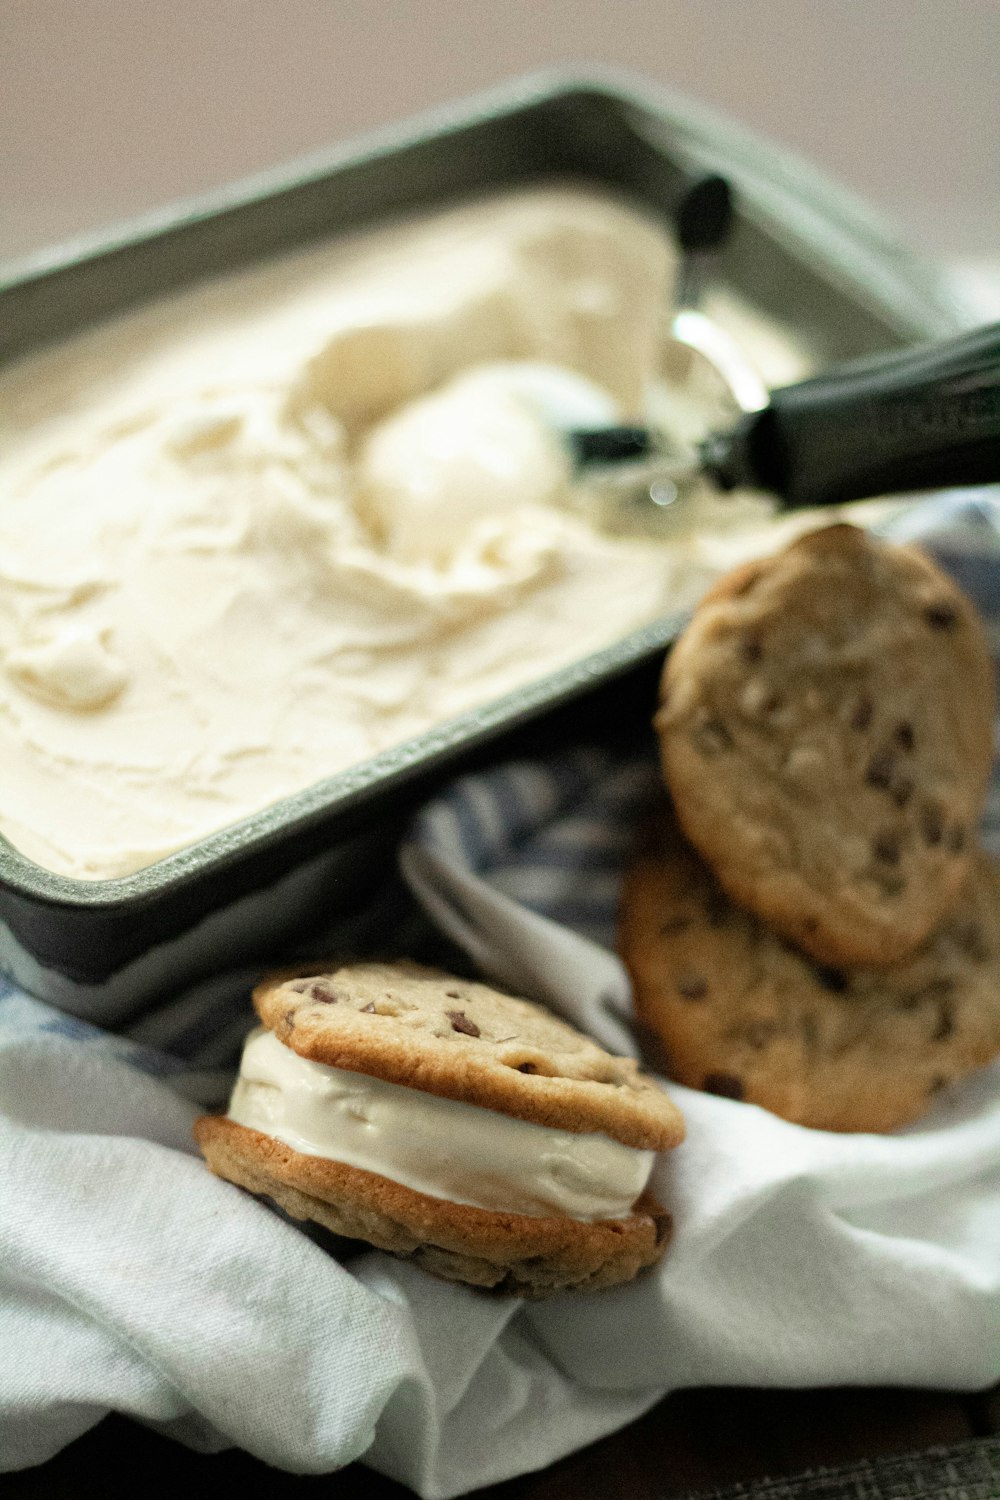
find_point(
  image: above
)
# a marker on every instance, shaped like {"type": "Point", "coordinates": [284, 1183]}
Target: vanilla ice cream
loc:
{"type": "Point", "coordinates": [447, 1149]}
{"type": "Point", "coordinates": [252, 535]}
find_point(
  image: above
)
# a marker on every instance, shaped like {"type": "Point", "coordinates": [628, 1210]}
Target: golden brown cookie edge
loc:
{"type": "Point", "coordinates": [644, 1117]}
{"type": "Point", "coordinates": [534, 1256]}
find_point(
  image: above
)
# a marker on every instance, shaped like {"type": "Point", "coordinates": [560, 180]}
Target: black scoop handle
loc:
{"type": "Point", "coordinates": [919, 419]}
{"type": "Point", "coordinates": [703, 214]}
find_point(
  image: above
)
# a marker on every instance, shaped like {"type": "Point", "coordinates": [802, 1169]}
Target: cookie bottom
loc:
{"type": "Point", "coordinates": [511, 1253]}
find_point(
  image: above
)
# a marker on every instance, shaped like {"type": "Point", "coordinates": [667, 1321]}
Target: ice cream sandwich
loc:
{"type": "Point", "coordinates": [471, 1132]}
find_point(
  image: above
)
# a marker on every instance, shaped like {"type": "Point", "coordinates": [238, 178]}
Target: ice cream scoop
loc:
{"type": "Point", "coordinates": [915, 419]}
{"type": "Point", "coordinates": [698, 346]}
{"type": "Point", "coordinates": [908, 420]}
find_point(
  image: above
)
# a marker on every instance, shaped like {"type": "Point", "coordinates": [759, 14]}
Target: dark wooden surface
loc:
{"type": "Point", "coordinates": [691, 1441]}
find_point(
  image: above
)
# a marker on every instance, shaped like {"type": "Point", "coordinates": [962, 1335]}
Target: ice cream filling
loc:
{"type": "Point", "coordinates": [455, 1151]}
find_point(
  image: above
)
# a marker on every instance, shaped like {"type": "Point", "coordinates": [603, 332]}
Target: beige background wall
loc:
{"type": "Point", "coordinates": [110, 107]}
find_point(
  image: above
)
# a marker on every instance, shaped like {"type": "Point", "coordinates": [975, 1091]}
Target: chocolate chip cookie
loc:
{"type": "Point", "coordinates": [444, 1121]}
{"type": "Point", "coordinates": [736, 1010]}
{"type": "Point", "coordinates": [826, 734]}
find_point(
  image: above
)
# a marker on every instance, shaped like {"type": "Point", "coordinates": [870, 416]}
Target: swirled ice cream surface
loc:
{"type": "Point", "coordinates": [254, 534]}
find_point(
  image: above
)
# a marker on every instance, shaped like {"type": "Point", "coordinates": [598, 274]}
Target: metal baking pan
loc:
{"type": "Point", "coordinates": [802, 252]}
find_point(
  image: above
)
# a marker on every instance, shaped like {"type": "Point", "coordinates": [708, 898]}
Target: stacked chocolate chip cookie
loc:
{"type": "Point", "coordinates": [814, 927]}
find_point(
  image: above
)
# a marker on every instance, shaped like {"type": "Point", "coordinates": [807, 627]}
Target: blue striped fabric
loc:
{"type": "Point", "coordinates": [549, 835]}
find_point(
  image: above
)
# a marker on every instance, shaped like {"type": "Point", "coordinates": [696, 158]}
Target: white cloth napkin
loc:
{"type": "Point", "coordinates": [131, 1279]}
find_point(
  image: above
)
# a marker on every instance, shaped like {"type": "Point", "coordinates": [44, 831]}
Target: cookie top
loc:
{"type": "Point", "coordinates": [462, 1040]}
{"type": "Point", "coordinates": [738, 1011]}
{"type": "Point", "coordinates": [826, 734]}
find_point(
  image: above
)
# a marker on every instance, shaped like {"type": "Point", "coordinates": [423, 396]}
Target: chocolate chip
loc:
{"type": "Point", "coordinates": [454, 994]}
{"type": "Point", "coordinates": [717, 908]}
{"type": "Point", "coordinates": [369, 1009]}
{"type": "Point", "coordinates": [905, 737]}
{"type": "Point", "coordinates": [887, 847]}
{"type": "Point", "coordinates": [526, 1068]}
{"type": "Point", "coordinates": [945, 1023]}
{"type": "Point", "coordinates": [317, 989]}
{"type": "Point", "coordinates": [863, 711]}
{"type": "Point", "coordinates": [752, 651]}
{"type": "Point", "coordinates": [880, 769]}
{"type": "Point", "coordinates": [460, 1022]}
{"type": "Point", "coordinates": [662, 1225]}
{"type": "Point", "coordinates": [692, 987]}
{"type": "Point", "coordinates": [324, 992]}
{"type": "Point", "coordinates": [956, 839]}
{"type": "Point", "coordinates": [712, 737]}
{"type": "Point", "coordinates": [674, 924]}
{"type": "Point", "coordinates": [931, 823]}
{"type": "Point", "coordinates": [970, 937]}
{"type": "Point", "coordinates": [726, 1085]}
{"type": "Point", "coordinates": [831, 979]}
{"type": "Point", "coordinates": [901, 790]}
{"type": "Point", "coordinates": [760, 1033]}
{"type": "Point", "coordinates": [940, 616]}
{"type": "Point", "coordinates": [934, 993]}
{"type": "Point", "coordinates": [289, 1019]}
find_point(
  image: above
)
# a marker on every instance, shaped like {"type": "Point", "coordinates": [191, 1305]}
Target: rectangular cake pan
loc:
{"type": "Point", "coordinates": [803, 252]}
